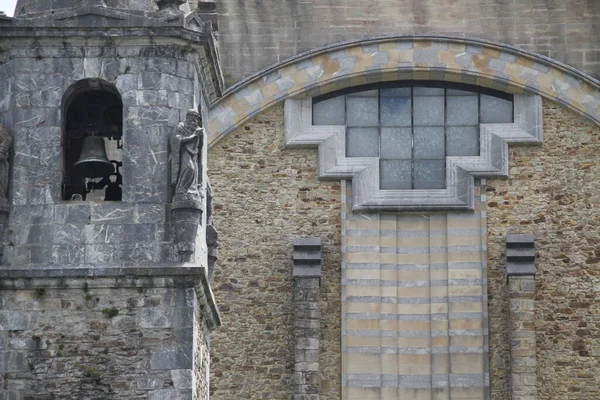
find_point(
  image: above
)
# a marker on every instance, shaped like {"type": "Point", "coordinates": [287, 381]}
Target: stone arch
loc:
{"type": "Point", "coordinates": [441, 58]}
{"type": "Point", "coordinates": [91, 107]}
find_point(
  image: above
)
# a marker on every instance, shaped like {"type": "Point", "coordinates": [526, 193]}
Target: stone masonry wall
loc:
{"type": "Point", "coordinates": [257, 33]}
{"type": "Point", "coordinates": [265, 197]}
{"type": "Point", "coordinates": [96, 339]}
{"type": "Point", "coordinates": [553, 194]}
{"type": "Point", "coordinates": [156, 84]}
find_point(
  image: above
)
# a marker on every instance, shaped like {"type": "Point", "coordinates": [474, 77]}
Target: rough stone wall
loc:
{"type": "Point", "coordinates": [157, 87]}
{"type": "Point", "coordinates": [258, 33]}
{"type": "Point", "coordinates": [78, 339]}
{"type": "Point", "coordinates": [553, 194]}
{"type": "Point", "coordinates": [201, 357]}
{"type": "Point", "coordinates": [266, 196]}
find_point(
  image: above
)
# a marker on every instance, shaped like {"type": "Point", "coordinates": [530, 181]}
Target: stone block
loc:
{"type": "Point", "coordinates": [170, 394]}
{"type": "Point", "coordinates": [172, 357]}
{"type": "Point", "coordinates": [16, 320]}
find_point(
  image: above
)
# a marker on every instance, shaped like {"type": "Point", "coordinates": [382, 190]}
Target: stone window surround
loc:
{"type": "Point", "coordinates": [460, 171]}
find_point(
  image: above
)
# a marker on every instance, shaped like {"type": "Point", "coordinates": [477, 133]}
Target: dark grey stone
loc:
{"type": "Point", "coordinates": [174, 357]}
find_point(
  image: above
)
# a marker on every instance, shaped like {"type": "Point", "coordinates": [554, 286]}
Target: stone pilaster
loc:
{"type": "Point", "coordinates": [307, 273]}
{"type": "Point", "coordinates": [520, 268]}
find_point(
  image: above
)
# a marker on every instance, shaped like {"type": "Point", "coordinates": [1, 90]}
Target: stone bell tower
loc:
{"type": "Point", "coordinates": [104, 199]}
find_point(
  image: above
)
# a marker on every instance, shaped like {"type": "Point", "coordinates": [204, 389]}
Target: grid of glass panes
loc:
{"type": "Point", "coordinates": [412, 129]}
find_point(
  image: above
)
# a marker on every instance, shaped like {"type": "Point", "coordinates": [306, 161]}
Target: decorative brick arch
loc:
{"type": "Point", "coordinates": [440, 58]}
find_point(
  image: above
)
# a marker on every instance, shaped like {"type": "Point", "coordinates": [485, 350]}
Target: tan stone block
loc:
{"type": "Point", "coordinates": [353, 393]}
{"type": "Point", "coordinates": [363, 307]}
{"type": "Point", "coordinates": [437, 308]}
{"type": "Point", "coordinates": [364, 274]}
{"type": "Point", "coordinates": [415, 359]}
{"type": "Point", "coordinates": [467, 341]}
{"type": "Point", "coordinates": [361, 363]}
{"type": "Point", "coordinates": [422, 44]}
{"type": "Point", "coordinates": [419, 309]}
{"type": "Point", "coordinates": [491, 52]}
{"type": "Point", "coordinates": [440, 364]}
{"type": "Point", "coordinates": [465, 257]}
{"type": "Point", "coordinates": [466, 307]}
{"type": "Point", "coordinates": [422, 73]}
{"type": "Point", "coordinates": [362, 257]}
{"type": "Point", "coordinates": [362, 323]}
{"type": "Point", "coordinates": [405, 342]}
{"type": "Point", "coordinates": [414, 326]}
{"type": "Point", "coordinates": [418, 275]}
{"type": "Point", "coordinates": [389, 363]}
{"type": "Point", "coordinates": [362, 341]}
{"type": "Point", "coordinates": [465, 324]}
{"type": "Point", "coordinates": [358, 80]}
{"type": "Point", "coordinates": [440, 341]}
{"type": "Point", "coordinates": [362, 291]}
{"type": "Point", "coordinates": [465, 274]}
{"type": "Point", "coordinates": [415, 292]}
{"type": "Point", "coordinates": [465, 290]}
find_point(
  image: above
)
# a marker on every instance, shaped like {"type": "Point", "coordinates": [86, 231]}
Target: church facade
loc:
{"type": "Point", "coordinates": [405, 194]}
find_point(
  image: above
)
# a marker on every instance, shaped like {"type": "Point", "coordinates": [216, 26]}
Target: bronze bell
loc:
{"type": "Point", "coordinates": [93, 162]}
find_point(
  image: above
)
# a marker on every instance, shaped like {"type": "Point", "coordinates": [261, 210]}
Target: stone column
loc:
{"type": "Point", "coordinates": [520, 270]}
{"type": "Point", "coordinates": [307, 276]}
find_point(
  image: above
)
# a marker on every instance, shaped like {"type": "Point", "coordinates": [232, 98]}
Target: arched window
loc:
{"type": "Point", "coordinates": [413, 126]}
{"type": "Point", "coordinates": [92, 138]}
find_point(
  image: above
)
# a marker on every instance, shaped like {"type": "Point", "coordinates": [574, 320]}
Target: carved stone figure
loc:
{"type": "Point", "coordinates": [190, 137]}
{"type": "Point", "coordinates": [5, 143]}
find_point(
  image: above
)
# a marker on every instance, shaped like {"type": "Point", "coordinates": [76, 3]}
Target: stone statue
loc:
{"type": "Point", "coordinates": [5, 143]}
{"type": "Point", "coordinates": [190, 137]}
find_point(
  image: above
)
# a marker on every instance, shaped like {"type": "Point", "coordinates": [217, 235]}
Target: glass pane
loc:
{"type": "Point", "coordinates": [463, 141]}
{"type": "Point", "coordinates": [429, 143]}
{"type": "Point", "coordinates": [462, 110]}
{"type": "Point", "coordinates": [396, 143]}
{"type": "Point", "coordinates": [362, 142]}
{"type": "Point", "coordinates": [396, 92]}
{"type": "Point", "coordinates": [395, 111]}
{"type": "Point", "coordinates": [395, 174]}
{"type": "Point", "coordinates": [428, 91]}
{"type": "Point", "coordinates": [365, 93]}
{"type": "Point", "coordinates": [456, 92]}
{"type": "Point", "coordinates": [496, 110]}
{"type": "Point", "coordinates": [430, 174]}
{"type": "Point", "coordinates": [428, 110]}
{"type": "Point", "coordinates": [363, 111]}
{"type": "Point", "coordinates": [329, 112]}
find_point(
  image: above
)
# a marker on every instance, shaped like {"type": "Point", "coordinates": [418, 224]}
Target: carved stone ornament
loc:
{"type": "Point", "coordinates": [186, 146]}
{"type": "Point", "coordinates": [186, 209]}
{"type": "Point", "coordinates": [169, 5]}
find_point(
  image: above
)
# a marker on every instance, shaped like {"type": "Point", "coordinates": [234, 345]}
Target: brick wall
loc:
{"type": "Point", "coordinates": [258, 33]}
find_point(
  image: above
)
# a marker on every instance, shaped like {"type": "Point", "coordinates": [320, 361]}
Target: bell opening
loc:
{"type": "Point", "coordinates": [93, 130]}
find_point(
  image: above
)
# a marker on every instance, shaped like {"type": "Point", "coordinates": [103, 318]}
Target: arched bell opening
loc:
{"type": "Point", "coordinates": [92, 142]}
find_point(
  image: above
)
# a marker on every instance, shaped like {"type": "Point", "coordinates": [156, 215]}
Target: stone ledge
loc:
{"type": "Point", "coordinates": [15, 279]}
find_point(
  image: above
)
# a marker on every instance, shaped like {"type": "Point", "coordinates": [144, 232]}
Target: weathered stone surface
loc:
{"type": "Point", "coordinates": [249, 44]}
{"type": "Point", "coordinates": [99, 338]}
{"type": "Point", "coordinates": [552, 193]}
{"type": "Point", "coordinates": [265, 197]}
